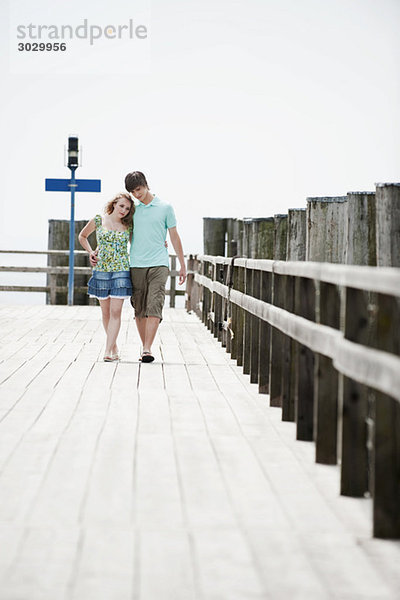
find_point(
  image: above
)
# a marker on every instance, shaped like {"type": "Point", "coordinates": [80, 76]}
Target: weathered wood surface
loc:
{"type": "Point", "coordinates": [388, 224]}
{"type": "Point", "coordinates": [326, 229]}
{"type": "Point", "coordinates": [174, 480]}
{"type": "Point", "coordinates": [58, 239]}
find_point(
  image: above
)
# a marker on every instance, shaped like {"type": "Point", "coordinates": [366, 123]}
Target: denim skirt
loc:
{"type": "Point", "coordinates": [110, 284]}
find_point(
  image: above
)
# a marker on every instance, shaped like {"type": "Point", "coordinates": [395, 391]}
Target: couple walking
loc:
{"type": "Point", "coordinates": [139, 274]}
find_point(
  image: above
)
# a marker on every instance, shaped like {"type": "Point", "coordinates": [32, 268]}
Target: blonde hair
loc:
{"type": "Point", "coordinates": [109, 208]}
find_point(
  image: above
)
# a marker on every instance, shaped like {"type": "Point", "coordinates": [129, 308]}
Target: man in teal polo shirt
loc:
{"type": "Point", "coordinates": [149, 260]}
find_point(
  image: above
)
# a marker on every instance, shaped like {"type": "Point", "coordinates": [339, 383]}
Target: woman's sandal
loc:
{"type": "Point", "coordinates": [147, 357]}
{"type": "Point", "coordinates": [110, 357]}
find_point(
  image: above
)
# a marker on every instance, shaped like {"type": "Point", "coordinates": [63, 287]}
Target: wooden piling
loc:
{"type": "Point", "coordinates": [388, 224]}
{"type": "Point", "coordinates": [355, 398]}
{"type": "Point", "coordinates": [280, 236]}
{"type": "Point", "coordinates": [265, 246]}
{"type": "Point", "coordinates": [326, 237]}
{"type": "Point", "coordinates": [257, 245]}
{"type": "Point", "coordinates": [58, 239]}
{"type": "Point", "coordinates": [361, 229]}
{"type": "Point", "coordinates": [326, 229]}
{"type": "Point", "coordinates": [246, 237]}
{"type": "Point", "coordinates": [296, 234]}
{"type": "Point", "coordinates": [214, 230]}
{"type": "Point", "coordinates": [295, 250]}
{"type": "Point", "coordinates": [239, 227]}
{"type": "Point", "coordinates": [232, 237]}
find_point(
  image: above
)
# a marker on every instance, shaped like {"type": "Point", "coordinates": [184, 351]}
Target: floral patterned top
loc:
{"type": "Point", "coordinates": [113, 248]}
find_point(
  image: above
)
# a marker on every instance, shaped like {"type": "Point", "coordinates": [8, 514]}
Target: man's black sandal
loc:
{"type": "Point", "coordinates": [147, 357]}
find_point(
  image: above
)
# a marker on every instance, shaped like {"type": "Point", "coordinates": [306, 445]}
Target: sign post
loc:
{"type": "Point", "coordinates": [72, 185]}
{"type": "Point", "coordinates": [71, 241]}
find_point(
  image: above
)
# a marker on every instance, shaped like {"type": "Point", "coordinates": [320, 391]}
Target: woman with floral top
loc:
{"type": "Point", "coordinates": [111, 282]}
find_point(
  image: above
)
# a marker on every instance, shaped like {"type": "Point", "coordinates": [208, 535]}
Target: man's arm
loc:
{"type": "Point", "coordinates": [84, 242]}
{"type": "Point", "coordinates": [177, 244]}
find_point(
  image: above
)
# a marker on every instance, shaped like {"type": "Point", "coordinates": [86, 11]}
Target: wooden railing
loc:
{"type": "Point", "coordinates": [53, 288]}
{"type": "Point", "coordinates": [323, 340]}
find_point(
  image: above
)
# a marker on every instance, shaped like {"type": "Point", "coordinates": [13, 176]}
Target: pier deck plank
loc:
{"type": "Point", "coordinates": [171, 480]}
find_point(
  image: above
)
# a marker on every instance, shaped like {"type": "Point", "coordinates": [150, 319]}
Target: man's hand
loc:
{"type": "Point", "coordinates": [177, 244]}
{"type": "Point", "coordinates": [182, 275]}
{"type": "Point", "coordinates": [93, 257]}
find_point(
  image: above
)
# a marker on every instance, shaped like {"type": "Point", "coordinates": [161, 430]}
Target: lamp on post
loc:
{"type": "Point", "coordinates": [72, 185]}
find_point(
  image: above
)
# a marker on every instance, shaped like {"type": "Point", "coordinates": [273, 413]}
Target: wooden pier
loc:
{"type": "Point", "coordinates": [174, 480]}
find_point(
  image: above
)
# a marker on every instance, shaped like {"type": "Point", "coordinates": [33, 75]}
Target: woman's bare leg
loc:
{"type": "Point", "coordinates": [114, 325]}
{"type": "Point", "coordinates": [105, 312]}
{"type": "Point", "coordinates": [105, 317]}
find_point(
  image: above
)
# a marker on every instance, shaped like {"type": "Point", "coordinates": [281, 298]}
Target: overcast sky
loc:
{"type": "Point", "coordinates": [231, 108]}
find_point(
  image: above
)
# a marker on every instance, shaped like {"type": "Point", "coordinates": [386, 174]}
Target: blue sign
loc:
{"type": "Point", "coordinates": [79, 185]}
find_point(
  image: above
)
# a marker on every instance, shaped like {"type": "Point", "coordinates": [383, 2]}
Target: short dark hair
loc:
{"type": "Point", "coordinates": [134, 179]}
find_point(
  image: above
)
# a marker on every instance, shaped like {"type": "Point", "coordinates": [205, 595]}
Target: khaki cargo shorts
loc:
{"type": "Point", "coordinates": [148, 294]}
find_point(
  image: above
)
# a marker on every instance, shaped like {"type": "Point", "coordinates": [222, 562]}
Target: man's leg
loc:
{"type": "Point", "coordinates": [141, 326]}
{"type": "Point", "coordinates": [156, 280]}
{"type": "Point", "coordinates": [150, 332]}
{"type": "Point", "coordinates": [138, 299]}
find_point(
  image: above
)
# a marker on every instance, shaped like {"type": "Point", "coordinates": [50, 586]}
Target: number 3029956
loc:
{"type": "Point", "coordinates": [42, 47]}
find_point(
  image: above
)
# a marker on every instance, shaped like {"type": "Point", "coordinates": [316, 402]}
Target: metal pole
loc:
{"type": "Point", "coordinates": [71, 240]}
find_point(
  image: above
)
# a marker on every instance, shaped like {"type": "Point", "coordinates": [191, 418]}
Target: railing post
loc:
{"type": "Point", "coordinates": [288, 364]}
{"type": "Point", "coordinates": [239, 333]}
{"type": "Point", "coordinates": [172, 286]}
{"type": "Point", "coordinates": [265, 335]}
{"type": "Point", "coordinates": [190, 285]}
{"type": "Point", "coordinates": [295, 251]}
{"type": "Point", "coordinates": [213, 276]}
{"type": "Point", "coordinates": [226, 311]}
{"type": "Point", "coordinates": [326, 380]}
{"type": "Point", "coordinates": [234, 313]}
{"type": "Point", "coordinates": [276, 346]}
{"type": "Point", "coordinates": [265, 250]}
{"type": "Point", "coordinates": [255, 332]}
{"type": "Point", "coordinates": [218, 315]}
{"type": "Point", "coordinates": [354, 463]}
{"type": "Point", "coordinates": [304, 382]}
{"type": "Point", "coordinates": [386, 464]}
{"type": "Point", "coordinates": [277, 338]}
{"type": "Point", "coordinates": [206, 295]}
{"type": "Point", "coordinates": [248, 283]}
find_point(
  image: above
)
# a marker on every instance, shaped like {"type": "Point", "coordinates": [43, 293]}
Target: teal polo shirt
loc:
{"type": "Point", "coordinates": [150, 224]}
